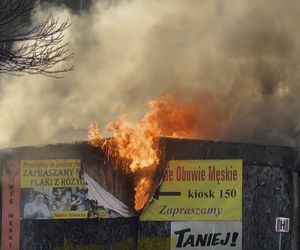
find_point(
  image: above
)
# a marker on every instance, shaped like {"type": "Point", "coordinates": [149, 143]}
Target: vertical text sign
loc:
{"type": "Point", "coordinates": [11, 205]}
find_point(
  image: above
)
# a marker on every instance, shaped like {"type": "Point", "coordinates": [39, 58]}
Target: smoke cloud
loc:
{"type": "Point", "coordinates": [244, 53]}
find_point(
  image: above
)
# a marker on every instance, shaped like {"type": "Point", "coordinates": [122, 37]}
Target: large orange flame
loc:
{"type": "Point", "coordinates": [135, 142]}
{"type": "Point", "coordinates": [141, 193]}
{"type": "Point", "coordinates": [169, 116]}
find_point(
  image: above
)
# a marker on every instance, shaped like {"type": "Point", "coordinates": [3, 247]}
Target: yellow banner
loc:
{"type": "Point", "coordinates": [69, 214]}
{"type": "Point", "coordinates": [198, 190]}
{"type": "Point", "coordinates": [79, 214]}
{"type": "Point", "coordinates": [50, 173]}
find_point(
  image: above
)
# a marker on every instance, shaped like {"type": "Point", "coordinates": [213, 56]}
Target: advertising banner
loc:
{"type": "Point", "coordinates": [52, 189]}
{"type": "Point", "coordinates": [113, 206]}
{"type": "Point", "coordinates": [218, 235]}
{"type": "Point", "coordinates": [198, 190]}
{"type": "Point", "coordinates": [46, 190]}
{"type": "Point", "coordinates": [11, 206]}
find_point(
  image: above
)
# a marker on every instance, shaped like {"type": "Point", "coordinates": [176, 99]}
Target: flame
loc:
{"type": "Point", "coordinates": [168, 116]}
{"type": "Point", "coordinates": [141, 193]}
{"type": "Point", "coordinates": [136, 143]}
{"type": "Point", "coordinates": [94, 135]}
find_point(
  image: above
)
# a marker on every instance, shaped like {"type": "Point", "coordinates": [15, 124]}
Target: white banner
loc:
{"type": "Point", "coordinates": [206, 235]}
{"type": "Point", "coordinates": [104, 198]}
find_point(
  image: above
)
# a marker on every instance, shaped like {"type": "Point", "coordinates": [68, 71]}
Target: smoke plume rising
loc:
{"type": "Point", "coordinates": [245, 54]}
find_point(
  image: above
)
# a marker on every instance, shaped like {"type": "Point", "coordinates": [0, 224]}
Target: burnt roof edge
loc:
{"type": "Point", "coordinates": [183, 149]}
{"type": "Point", "coordinates": [250, 153]}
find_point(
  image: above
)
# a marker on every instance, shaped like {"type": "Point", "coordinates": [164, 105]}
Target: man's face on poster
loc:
{"type": "Point", "coordinates": [39, 199]}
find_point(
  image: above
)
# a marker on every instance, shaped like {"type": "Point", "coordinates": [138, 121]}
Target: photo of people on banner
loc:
{"type": "Point", "coordinates": [42, 203]}
{"type": "Point", "coordinates": [56, 189]}
{"type": "Point", "coordinates": [51, 189]}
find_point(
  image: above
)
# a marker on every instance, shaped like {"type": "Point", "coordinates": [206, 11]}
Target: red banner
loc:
{"type": "Point", "coordinates": [11, 206]}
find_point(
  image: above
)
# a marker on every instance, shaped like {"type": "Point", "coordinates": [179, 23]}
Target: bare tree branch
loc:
{"type": "Point", "coordinates": [31, 49]}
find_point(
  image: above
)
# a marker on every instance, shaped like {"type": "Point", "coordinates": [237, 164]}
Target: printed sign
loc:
{"type": "Point", "coordinates": [52, 189]}
{"type": "Point", "coordinates": [198, 190]}
{"type": "Point", "coordinates": [219, 235]}
{"type": "Point", "coordinates": [10, 205]}
{"type": "Point", "coordinates": [282, 225]}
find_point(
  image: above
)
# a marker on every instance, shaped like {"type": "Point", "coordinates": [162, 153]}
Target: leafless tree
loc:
{"type": "Point", "coordinates": [27, 48]}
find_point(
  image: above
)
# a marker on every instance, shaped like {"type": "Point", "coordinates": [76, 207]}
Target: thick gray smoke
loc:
{"type": "Point", "coordinates": [246, 53]}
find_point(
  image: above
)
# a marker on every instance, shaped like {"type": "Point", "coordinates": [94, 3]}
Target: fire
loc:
{"type": "Point", "coordinates": [94, 135]}
{"type": "Point", "coordinates": [141, 193]}
{"type": "Point", "coordinates": [168, 116]}
{"type": "Point", "coordinates": [135, 143]}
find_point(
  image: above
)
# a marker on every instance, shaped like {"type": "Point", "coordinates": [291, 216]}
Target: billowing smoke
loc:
{"type": "Point", "coordinates": [243, 53]}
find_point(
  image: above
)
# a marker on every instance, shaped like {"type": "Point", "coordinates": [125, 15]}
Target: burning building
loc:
{"type": "Point", "coordinates": [110, 192]}
{"type": "Point", "coordinates": [227, 69]}
{"type": "Point", "coordinates": [269, 190]}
